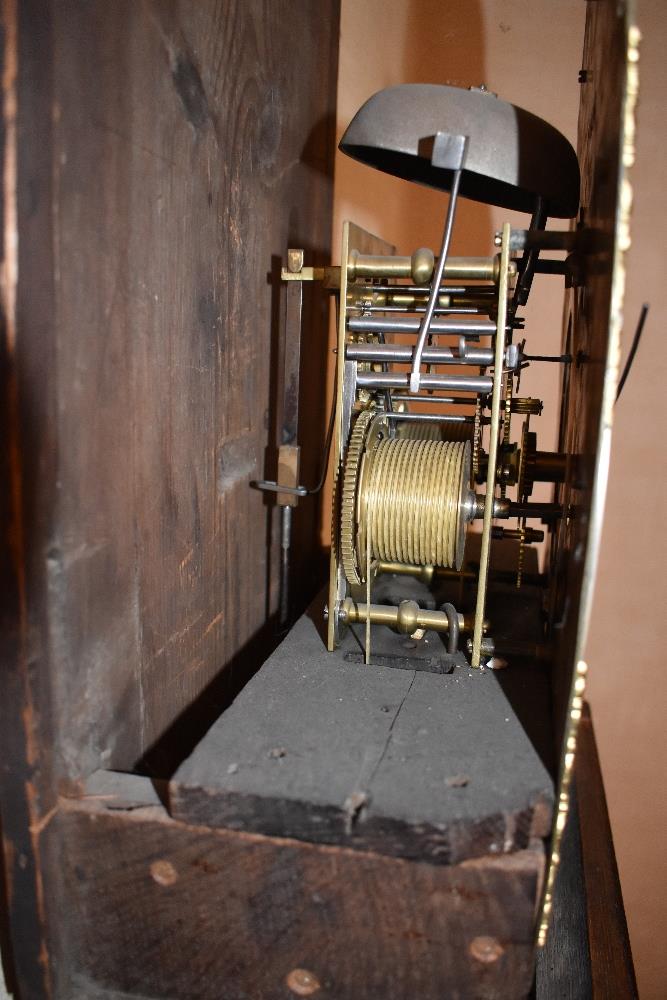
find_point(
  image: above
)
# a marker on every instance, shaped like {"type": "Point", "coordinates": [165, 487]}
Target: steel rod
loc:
{"type": "Point", "coordinates": [543, 511]}
{"type": "Point", "coordinates": [540, 239]}
{"type": "Point", "coordinates": [373, 324]}
{"type": "Point", "coordinates": [285, 543]}
{"type": "Point", "coordinates": [401, 397]}
{"type": "Point", "coordinates": [438, 311]}
{"type": "Point", "coordinates": [426, 322]}
{"type": "Point", "coordinates": [553, 267]}
{"type": "Point", "coordinates": [478, 356]}
{"type": "Point", "coordinates": [399, 380]}
{"type": "Point", "coordinates": [473, 290]}
{"type": "Point", "coordinates": [431, 418]}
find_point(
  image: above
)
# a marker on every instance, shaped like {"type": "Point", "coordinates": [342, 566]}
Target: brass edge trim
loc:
{"type": "Point", "coordinates": [578, 687]}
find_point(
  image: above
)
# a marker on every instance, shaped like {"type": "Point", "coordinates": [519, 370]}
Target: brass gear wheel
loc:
{"type": "Point", "coordinates": [507, 412]}
{"type": "Point", "coordinates": [522, 552]}
{"type": "Point", "coordinates": [526, 479]}
{"type": "Point", "coordinates": [476, 441]}
{"type": "Point", "coordinates": [348, 506]}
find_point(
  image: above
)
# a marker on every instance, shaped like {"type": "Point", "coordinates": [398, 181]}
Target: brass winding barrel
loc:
{"type": "Point", "coordinates": [405, 500]}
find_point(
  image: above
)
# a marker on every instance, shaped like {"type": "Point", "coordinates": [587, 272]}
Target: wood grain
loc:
{"type": "Point", "coordinates": [591, 339]}
{"type": "Point", "coordinates": [157, 160]}
{"type": "Point", "coordinates": [28, 459]}
{"type": "Point", "coordinates": [406, 763]}
{"type": "Point", "coordinates": [563, 966]}
{"type": "Point", "coordinates": [175, 189]}
{"type": "Point", "coordinates": [185, 152]}
{"type": "Point", "coordinates": [611, 959]}
{"type": "Point", "coordinates": [161, 909]}
{"type": "Point", "coordinates": [587, 953]}
{"type": "Point", "coordinates": [158, 908]}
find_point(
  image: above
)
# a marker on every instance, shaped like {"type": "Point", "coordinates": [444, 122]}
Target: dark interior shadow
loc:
{"type": "Point", "coordinates": [317, 152]}
{"type": "Point", "coordinates": [526, 680]}
{"type": "Point", "coordinates": [512, 613]}
{"type": "Point", "coordinates": [316, 612]}
{"type": "Point", "coordinates": [182, 736]}
{"type": "Point", "coordinates": [565, 961]}
{"type": "Point", "coordinates": [6, 952]}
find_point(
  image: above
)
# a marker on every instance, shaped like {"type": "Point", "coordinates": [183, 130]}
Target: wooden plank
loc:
{"type": "Point", "coordinates": [179, 174]}
{"type": "Point", "coordinates": [591, 338]}
{"type": "Point", "coordinates": [185, 152]}
{"type": "Point", "coordinates": [157, 159]}
{"type": "Point", "coordinates": [27, 478]}
{"type": "Point", "coordinates": [563, 966]}
{"type": "Point", "coordinates": [611, 959]}
{"type": "Point", "coordinates": [145, 890]}
{"type": "Point", "coordinates": [593, 318]}
{"type": "Point", "coordinates": [161, 909]}
{"type": "Point", "coordinates": [407, 763]}
{"type": "Point", "coordinates": [587, 953]}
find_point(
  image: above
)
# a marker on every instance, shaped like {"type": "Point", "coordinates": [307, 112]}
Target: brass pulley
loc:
{"type": "Point", "coordinates": [405, 500]}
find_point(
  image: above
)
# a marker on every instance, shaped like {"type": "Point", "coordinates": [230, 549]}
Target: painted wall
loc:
{"type": "Point", "coordinates": [529, 52]}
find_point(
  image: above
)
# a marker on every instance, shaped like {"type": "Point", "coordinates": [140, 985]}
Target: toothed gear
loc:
{"type": "Point", "coordinates": [527, 463]}
{"type": "Point", "coordinates": [476, 440]}
{"type": "Point", "coordinates": [522, 551]}
{"type": "Point", "coordinates": [348, 506]}
{"type": "Point", "coordinates": [507, 413]}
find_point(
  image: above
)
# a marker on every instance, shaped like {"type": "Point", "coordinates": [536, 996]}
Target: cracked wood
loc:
{"type": "Point", "coordinates": [327, 751]}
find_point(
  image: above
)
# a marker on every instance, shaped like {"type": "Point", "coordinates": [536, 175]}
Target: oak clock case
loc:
{"type": "Point", "coordinates": [373, 804]}
{"type": "Point", "coordinates": [435, 451]}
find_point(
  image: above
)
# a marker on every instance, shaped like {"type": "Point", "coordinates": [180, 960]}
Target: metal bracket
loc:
{"type": "Point", "coordinates": [270, 486]}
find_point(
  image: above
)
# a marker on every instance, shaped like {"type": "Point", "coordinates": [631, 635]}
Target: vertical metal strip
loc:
{"type": "Point", "coordinates": [493, 445]}
{"type": "Point", "coordinates": [367, 651]}
{"type": "Point", "coordinates": [338, 435]}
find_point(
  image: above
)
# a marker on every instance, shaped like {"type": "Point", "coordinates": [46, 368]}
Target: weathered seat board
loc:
{"type": "Point", "coordinates": [223, 915]}
{"type": "Point", "coordinates": [163, 909]}
{"type": "Point", "coordinates": [434, 767]}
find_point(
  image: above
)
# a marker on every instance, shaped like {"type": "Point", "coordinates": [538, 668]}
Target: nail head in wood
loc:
{"type": "Point", "coordinates": [486, 949]}
{"type": "Point", "coordinates": [302, 982]}
{"type": "Point", "coordinates": [164, 873]}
